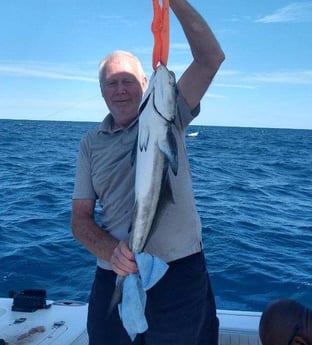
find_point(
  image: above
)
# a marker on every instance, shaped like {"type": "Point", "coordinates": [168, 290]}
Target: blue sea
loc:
{"type": "Point", "coordinates": [253, 188]}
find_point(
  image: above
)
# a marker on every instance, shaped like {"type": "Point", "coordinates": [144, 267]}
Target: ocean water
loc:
{"type": "Point", "coordinates": [253, 188]}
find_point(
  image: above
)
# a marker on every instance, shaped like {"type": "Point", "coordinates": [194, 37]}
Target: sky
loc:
{"type": "Point", "coordinates": [50, 51]}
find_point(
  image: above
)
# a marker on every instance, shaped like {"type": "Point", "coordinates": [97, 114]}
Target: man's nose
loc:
{"type": "Point", "coordinates": [120, 87]}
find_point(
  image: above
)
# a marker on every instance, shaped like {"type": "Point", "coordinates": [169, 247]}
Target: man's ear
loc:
{"type": "Point", "coordinates": [102, 91]}
{"type": "Point", "coordinates": [144, 84]}
{"type": "Point", "coordinates": [299, 340]}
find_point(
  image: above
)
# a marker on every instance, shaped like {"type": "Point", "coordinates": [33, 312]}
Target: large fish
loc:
{"type": "Point", "coordinates": [154, 152]}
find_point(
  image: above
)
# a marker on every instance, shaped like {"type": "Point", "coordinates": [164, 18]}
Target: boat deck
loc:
{"type": "Point", "coordinates": [238, 327]}
{"type": "Point", "coordinates": [65, 324]}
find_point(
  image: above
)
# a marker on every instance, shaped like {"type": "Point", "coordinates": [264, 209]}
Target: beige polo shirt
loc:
{"type": "Point", "coordinates": [105, 173]}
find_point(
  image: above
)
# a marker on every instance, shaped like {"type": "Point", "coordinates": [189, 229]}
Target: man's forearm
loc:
{"type": "Point", "coordinates": [97, 241]}
{"type": "Point", "coordinates": [204, 46]}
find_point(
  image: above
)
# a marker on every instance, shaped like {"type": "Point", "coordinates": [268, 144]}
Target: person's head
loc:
{"type": "Point", "coordinates": [286, 322]}
{"type": "Point", "coordinates": [122, 82]}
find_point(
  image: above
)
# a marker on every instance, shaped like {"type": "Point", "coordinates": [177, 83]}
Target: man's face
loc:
{"type": "Point", "coordinates": [122, 87]}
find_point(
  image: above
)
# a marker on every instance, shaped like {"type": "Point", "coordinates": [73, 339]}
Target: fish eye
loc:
{"type": "Point", "coordinates": [176, 92]}
{"type": "Point", "coordinates": [172, 80]}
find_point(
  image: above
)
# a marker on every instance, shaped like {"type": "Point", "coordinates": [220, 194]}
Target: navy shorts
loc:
{"type": "Point", "coordinates": [180, 308]}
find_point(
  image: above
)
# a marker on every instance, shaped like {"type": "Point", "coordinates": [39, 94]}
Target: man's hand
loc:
{"type": "Point", "coordinates": [122, 260]}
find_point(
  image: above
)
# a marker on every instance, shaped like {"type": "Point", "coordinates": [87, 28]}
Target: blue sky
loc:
{"type": "Point", "coordinates": [50, 51]}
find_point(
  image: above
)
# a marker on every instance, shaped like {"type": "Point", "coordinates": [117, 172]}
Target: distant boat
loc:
{"type": "Point", "coordinates": [192, 134]}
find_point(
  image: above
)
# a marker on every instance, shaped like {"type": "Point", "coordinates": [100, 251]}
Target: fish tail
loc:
{"type": "Point", "coordinates": [117, 295]}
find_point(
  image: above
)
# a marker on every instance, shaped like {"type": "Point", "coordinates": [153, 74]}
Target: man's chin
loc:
{"type": "Point", "coordinates": [124, 119]}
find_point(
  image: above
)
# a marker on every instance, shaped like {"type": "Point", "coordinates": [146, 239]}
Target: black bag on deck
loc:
{"type": "Point", "coordinates": [30, 300]}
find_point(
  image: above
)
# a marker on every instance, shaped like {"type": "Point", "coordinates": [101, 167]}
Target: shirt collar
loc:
{"type": "Point", "coordinates": [107, 125]}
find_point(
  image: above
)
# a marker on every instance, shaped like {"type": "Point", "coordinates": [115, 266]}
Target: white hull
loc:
{"type": "Point", "coordinates": [65, 324]}
{"type": "Point", "coordinates": [238, 327]}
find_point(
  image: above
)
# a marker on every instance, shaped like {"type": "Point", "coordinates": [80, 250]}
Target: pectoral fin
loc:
{"type": "Point", "coordinates": [170, 150]}
{"type": "Point", "coordinates": [144, 138]}
{"type": "Point", "coordinates": [134, 151]}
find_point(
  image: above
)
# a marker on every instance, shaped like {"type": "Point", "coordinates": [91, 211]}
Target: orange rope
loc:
{"type": "Point", "coordinates": [160, 30]}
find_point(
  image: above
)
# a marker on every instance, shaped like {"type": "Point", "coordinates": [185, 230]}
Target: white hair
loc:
{"type": "Point", "coordinates": [120, 53]}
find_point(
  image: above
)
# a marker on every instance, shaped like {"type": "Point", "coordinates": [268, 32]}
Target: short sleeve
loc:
{"type": "Point", "coordinates": [83, 188]}
{"type": "Point", "coordinates": [184, 115]}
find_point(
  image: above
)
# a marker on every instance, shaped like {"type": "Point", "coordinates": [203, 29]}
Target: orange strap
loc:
{"type": "Point", "coordinates": [160, 30]}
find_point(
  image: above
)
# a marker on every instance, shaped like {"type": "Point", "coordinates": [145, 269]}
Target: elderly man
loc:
{"type": "Point", "coordinates": [180, 308]}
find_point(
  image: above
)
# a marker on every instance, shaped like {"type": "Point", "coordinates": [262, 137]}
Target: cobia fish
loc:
{"type": "Point", "coordinates": [154, 152]}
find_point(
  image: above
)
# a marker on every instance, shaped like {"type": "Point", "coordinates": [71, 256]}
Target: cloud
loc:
{"type": "Point", "coordinates": [235, 86]}
{"type": "Point", "coordinates": [236, 79]}
{"type": "Point", "coordinates": [180, 46]}
{"type": "Point", "coordinates": [228, 72]}
{"type": "Point", "coordinates": [214, 95]}
{"type": "Point", "coordinates": [116, 21]}
{"type": "Point", "coordinates": [53, 108]}
{"type": "Point", "coordinates": [296, 12]}
{"type": "Point", "coordinates": [293, 77]}
{"type": "Point", "coordinates": [44, 71]}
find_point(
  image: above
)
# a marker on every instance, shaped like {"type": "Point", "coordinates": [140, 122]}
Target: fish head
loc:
{"type": "Point", "coordinates": [165, 93]}
{"type": "Point", "coordinates": [148, 92]}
